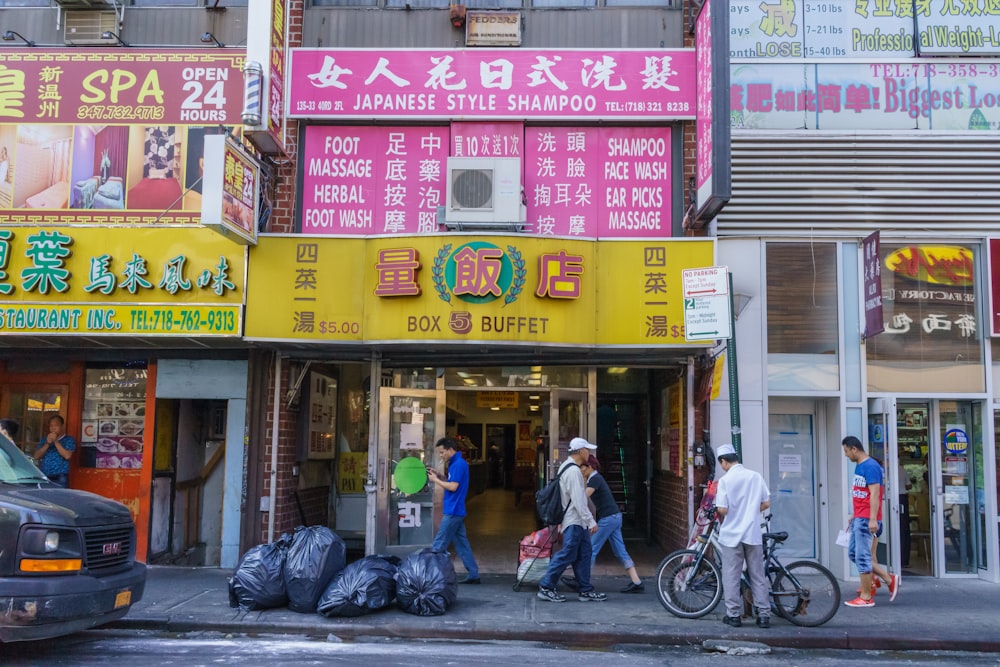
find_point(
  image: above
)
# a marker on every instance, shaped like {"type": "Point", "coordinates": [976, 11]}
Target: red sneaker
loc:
{"type": "Point", "coordinates": [860, 602]}
{"type": "Point", "coordinates": [894, 581]}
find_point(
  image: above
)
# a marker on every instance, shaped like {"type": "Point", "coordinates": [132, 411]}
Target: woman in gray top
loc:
{"type": "Point", "coordinates": [609, 523]}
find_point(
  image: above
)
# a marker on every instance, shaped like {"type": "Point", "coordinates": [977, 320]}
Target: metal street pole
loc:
{"type": "Point", "coordinates": [734, 388]}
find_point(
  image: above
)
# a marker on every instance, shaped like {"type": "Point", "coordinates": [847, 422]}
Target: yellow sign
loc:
{"type": "Point", "coordinates": [497, 399]}
{"type": "Point", "coordinates": [470, 289]}
{"type": "Point", "coordinates": [57, 280]}
{"type": "Point", "coordinates": [352, 470]}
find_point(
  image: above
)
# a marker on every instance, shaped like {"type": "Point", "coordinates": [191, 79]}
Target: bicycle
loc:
{"type": "Point", "coordinates": [689, 581]}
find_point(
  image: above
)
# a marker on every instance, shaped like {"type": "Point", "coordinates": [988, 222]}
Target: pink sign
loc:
{"type": "Point", "coordinates": [703, 160]}
{"type": "Point", "coordinates": [487, 139]}
{"type": "Point", "coordinates": [598, 182]}
{"type": "Point", "coordinates": [636, 84]}
{"type": "Point", "coordinates": [373, 180]}
{"type": "Point", "coordinates": [560, 182]}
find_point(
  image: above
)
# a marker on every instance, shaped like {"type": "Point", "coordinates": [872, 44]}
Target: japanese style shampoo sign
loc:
{"type": "Point", "coordinates": [637, 84]}
{"type": "Point", "coordinates": [460, 288]}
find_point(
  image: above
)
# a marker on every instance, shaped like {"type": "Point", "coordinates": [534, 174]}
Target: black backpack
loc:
{"type": "Point", "coordinates": [548, 501]}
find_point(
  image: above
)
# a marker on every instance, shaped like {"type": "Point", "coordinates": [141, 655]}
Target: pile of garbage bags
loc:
{"type": "Point", "coordinates": [307, 571]}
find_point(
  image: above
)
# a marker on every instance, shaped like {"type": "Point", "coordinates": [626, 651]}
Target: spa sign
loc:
{"type": "Point", "coordinates": [185, 86]}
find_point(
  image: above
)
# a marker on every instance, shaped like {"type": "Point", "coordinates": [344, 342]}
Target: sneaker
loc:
{"type": "Point", "coordinates": [763, 621]}
{"type": "Point", "coordinates": [860, 602]}
{"type": "Point", "coordinates": [592, 596]}
{"type": "Point", "coordinates": [876, 584]}
{"type": "Point", "coordinates": [894, 581]}
{"type": "Point", "coordinates": [570, 582]}
{"type": "Point", "coordinates": [733, 621]}
{"type": "Point", "coordinates": [634, 587]}
{"type": "Point", "coordinates": [550, 595]}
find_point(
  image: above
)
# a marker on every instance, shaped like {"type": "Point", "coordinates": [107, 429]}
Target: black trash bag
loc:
{"type": "Point", "coordinates": [426, 584]}
{"type": "Point", "coordinates": [258, 580]}
{"type": "Point", "coordinates": [315, 557]}
{"type": "Point", "coordinates": [363, 586]}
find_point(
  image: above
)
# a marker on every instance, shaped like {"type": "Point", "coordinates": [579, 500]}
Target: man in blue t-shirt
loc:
{"type": "Point", "coordinates": [456, 487]}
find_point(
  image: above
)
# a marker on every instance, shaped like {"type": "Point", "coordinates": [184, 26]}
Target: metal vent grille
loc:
{"type": "Point", "coordinates": [472, 189]}
{"type": "Point", "coordinates": [108, 548]}
{"type": "Point", "coordinates": [842, 184]}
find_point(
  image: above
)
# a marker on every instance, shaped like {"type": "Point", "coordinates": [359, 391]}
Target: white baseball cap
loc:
{"type": "Point", "coordinates": [577, 444]}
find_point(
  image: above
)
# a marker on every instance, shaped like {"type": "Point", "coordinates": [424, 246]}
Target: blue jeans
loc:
{"type": "Point", "coordinates": [60, 479]}
{"type": "Point", "coordinates": [452, 530]}
{"type": "Point", "coordinates": [576, 551]}
{"type": "Point", "coordinates": [860, 549]}
{"type": "Point", "coordinates": [610, 528]}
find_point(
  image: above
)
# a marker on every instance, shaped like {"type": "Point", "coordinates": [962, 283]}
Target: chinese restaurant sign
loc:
{"type": "Point", "coordinates": [136, 281]}
{"type": "Point", "coordinates": [635, 84]}
{"type": "Point", "coordinates": [471, 289]}
{"type": "Point", "coordinates": [110, 136]}
{"type": "Point", "coordinates": [611, 182]}
{"type": "Point", "coordinates": [863, 28]}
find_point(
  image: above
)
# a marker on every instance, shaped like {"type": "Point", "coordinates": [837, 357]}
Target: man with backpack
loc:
{"type": "Point", "coordinates": [576, 522]}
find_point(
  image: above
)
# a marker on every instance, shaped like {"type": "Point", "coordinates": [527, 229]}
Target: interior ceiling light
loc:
{"type": "Point", "coordinates": [617, 370]}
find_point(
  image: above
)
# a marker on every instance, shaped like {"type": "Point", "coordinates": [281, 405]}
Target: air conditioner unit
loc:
{"type": "Point", "coordinates": [86, 26]}
{"type": "Point", "coordinates": [484, 190]}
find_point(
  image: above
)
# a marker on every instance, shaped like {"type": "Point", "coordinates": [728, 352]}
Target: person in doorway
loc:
{"type": "Point", "coordinates": [456, 487]}
{"type": "Point", "coordinates": [879, 573]}
{"type": "Point", "coordinates": [609, 523]}
{"type": "Point", "coordinates": [54, 451]}
{"type": "Point", "coordinates": [739, 499]}
{"type": "Point", "coordinates": [866, 524]}
{"type": "Point", "coordinates": [578, 521]}
{"type": "Point", "coordinates": [9, 428]}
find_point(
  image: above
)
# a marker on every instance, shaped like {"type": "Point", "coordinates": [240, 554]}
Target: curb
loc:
{"type": "Point", "coordinates": [551, 633]}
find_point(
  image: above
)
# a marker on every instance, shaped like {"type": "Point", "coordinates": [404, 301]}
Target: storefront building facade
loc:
{"type": "Point", "coordinates": [120, 312]}
{"type": "Point", "coordinates": [885, 124]}
{"type": "Point", "coordinates": [393, 314]}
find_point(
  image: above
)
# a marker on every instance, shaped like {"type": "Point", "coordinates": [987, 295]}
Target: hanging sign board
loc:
{"type": "Point", "coordinates": [229, 190]}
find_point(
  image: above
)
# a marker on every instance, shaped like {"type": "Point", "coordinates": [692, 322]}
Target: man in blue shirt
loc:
{"type": "Point", "coordinates": [456, 487]}
{"type": "Point", "coordinates": [54, 451]}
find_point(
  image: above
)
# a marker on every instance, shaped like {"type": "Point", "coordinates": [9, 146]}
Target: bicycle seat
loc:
{"type": "Point", "coordinates": [777, 537]}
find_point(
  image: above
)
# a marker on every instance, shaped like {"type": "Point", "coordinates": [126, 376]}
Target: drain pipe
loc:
{"type": "Point", "coordinates": [274, 447]}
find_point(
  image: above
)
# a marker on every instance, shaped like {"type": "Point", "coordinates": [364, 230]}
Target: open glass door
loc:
{"type": "Point", "coordinates": [915, 488]}
{"type": "Point", "coordinates": [567, 420]}
{"type": "Point", "coordinates": [885, 440]}
{"type": "Point", "coordinates": [410, 422]}
{"type": "Point", "coordinates": [962, 528]}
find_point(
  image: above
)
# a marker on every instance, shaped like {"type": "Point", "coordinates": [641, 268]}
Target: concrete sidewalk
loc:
{"type": "Point", "coordinates": [958, 615]}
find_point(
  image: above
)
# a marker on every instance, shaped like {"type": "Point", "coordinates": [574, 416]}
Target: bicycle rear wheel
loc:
{"type": "Point", "coordinates": [806, 594]}
{"type": "Point", "coordinates": [686, 589]}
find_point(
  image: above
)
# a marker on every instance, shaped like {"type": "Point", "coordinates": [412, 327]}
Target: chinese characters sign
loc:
{"type": "Point", "coordinates": [373, 180]}
{"type": "Point", "coordinates": [149, 282]}
{"type": "Point", "coordinates": [492, 83]}
{"type": "Point", "coordinates": [863, 28]}
{"type": "Point", "coordinates": [713, 178]}
{"type": "Point", "coordinates": [871, 266]}
{"type": "Point", "coordinates": [924, 95]}
{"type": "Point", "coordinates": [229, 201]}
{"type": "Point", "coordinates": [588, 183]}
{"type": "Point", "coordinates": [598, 182]}
{"type": "Point", "coordinates": [133, 86]}
{"type": "Point", "coordinates": [110, 136]}
{"type": "Point", "coordinates": [523, 290]}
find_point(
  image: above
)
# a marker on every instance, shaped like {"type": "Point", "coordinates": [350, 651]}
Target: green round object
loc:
{"type": "Point", "coordinates": [410, 475]}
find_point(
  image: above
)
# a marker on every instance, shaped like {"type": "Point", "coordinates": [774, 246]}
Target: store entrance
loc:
{"type": "Point", "coordinates": [932, 452]}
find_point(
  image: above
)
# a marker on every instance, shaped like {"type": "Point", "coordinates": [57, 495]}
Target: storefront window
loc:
{"type": "Point", "coordinates": [114, 418]}
{"type": "Point", "coordinates": [516, 377]}
{"type": "Point", "coordinates": [933, 333]}
{"type": "Point", "coordinates": [802, 325]}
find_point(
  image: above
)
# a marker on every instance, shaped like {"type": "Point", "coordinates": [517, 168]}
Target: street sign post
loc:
{"type": "Point", "coordinates": [706, 318]}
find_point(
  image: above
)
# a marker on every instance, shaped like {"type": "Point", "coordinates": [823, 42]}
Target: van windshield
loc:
{"type": "Point", "coordinates": [15, 467]}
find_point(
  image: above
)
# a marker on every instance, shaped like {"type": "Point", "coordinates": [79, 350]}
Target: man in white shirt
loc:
{"type": "Point", "coordinates": [577, 526]}
{"type": "Point", "coordinates": [740, 498]}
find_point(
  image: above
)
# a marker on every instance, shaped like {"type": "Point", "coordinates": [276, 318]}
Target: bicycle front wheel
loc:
{"type": "Point", "coordinates": [688, 587]}
{"type": "Point", "coordinates": [806, 594]}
